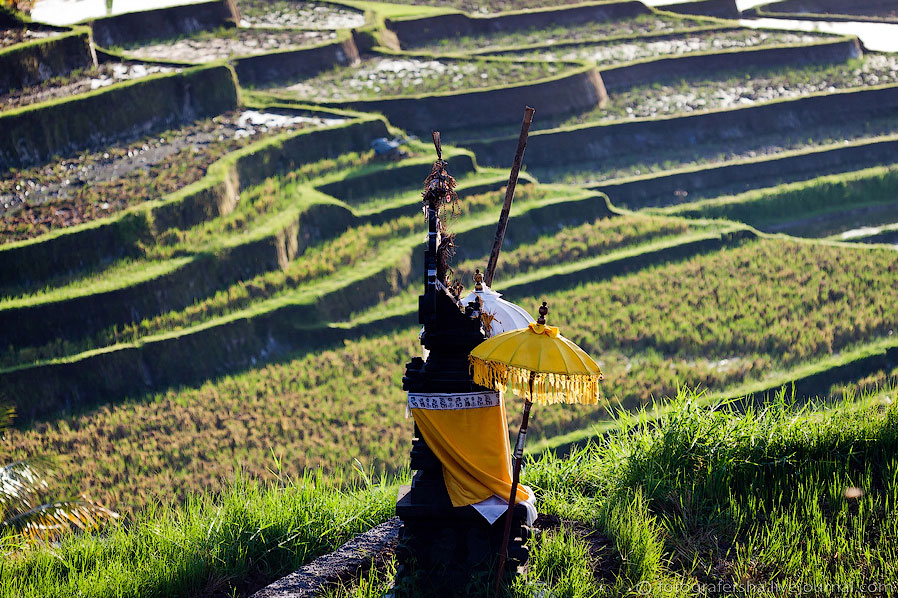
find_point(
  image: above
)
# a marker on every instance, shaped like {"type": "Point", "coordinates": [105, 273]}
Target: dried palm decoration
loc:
{"type": "Point", "coordinates": [439, 192]}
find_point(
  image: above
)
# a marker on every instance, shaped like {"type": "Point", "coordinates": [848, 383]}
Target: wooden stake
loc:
{"type": "Point", "coordinates": [509, 196]}
{"type": "Point", "coordinates": [436, 143]}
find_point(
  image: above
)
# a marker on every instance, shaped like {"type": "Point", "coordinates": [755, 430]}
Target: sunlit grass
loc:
{"type": "Point", "coordinates": [763, 501]}
{"type": "Point", "coordinates": [246, 536]}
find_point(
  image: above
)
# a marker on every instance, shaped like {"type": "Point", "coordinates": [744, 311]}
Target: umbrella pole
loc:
{"type": "Point", "coordinates": [516, 477]}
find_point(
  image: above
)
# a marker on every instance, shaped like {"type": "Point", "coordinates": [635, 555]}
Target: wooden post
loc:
{"type": "Point", "coordinates": [516, 475]}
{"type": "Point", "coordinates": [515, 480]}
{"type": "Point", "coordinates": [509, 196]}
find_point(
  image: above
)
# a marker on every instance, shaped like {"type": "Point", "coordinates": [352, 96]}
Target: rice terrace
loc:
{"type": "Point", "coordinates": [280, 281]}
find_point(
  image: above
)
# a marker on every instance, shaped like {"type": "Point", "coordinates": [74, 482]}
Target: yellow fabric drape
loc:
{"type": "Point", "coordinates": [473, 446]}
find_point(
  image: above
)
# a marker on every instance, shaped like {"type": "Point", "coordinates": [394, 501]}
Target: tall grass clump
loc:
{"type": "Point", "coordinates": [231, 544]}
{"type": "Point", "coordinates": [758, 499]}
{"type": "Point", "coordinates": [560, 560]}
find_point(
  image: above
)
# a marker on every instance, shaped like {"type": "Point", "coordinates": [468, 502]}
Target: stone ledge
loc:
{"type": "Point", "coordinates": [339, 565]}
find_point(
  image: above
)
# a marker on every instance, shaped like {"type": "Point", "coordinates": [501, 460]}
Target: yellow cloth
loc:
{"type": "Point", "coordinates": [472, 445]}
{"type": "Point", "coordinates": [550, 331]}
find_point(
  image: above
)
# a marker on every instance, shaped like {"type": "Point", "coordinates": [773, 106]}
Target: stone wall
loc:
{"type": "Point", "coordinates": [597, 142]}
{"type": "Point", "coordinates": [32, 63]}
{"type": "Point", "coordinates": [641, 73]}
{"type": "Point", "coordinates": [292, 64]}
{"type": "Point", "coordinates": [174, 21]}
{"type": "Point", "coordinates": [412, 32]}
{"type": "Point", "coordinates": [580, 90]}
{"type": "Point", "coordinates": [128, 110]}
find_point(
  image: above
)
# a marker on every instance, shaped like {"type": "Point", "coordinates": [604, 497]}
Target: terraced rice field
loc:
{"type": "Point", "coordinates": [299, 15]}
{"type": "Point", "coordinates": [830, 206]}
{"type": "Point", "coordinates": [864, 9]}
{"type": "Point", "coordinates": [716, 39]}
{"type": "Point", "coordinates": [258, 319]}
{"type": "Point", "coordinates": [651, 331]}
{"type": "Point", "coordinates": [887, 234]}
{"type": "Point", "coordinates": [209, 46]}
{"type": "Point", "coordinates": [97, 184]}
{"type": "Point", "coordinates": [582, 32]}
{"type": "Point", "coordinates": [769, 145]}
{"type": "Point", "coordinates": [666, 96]}
{"type": "Point", "coordinates": [80, 81]}
{"type": "Point", "coordinates": [10, 36]}
{"type": "Point", "coordinates": [480, 7]}
{"type": "Point", "coordinates": [732, 328]}
{"type": "Point", "coordinates": [387, 76]}
{"type": "Point", "coordinates": [582, 244]}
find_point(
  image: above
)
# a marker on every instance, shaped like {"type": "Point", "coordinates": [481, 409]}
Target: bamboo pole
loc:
{"type": "Point", "coordinates": [509, 196]}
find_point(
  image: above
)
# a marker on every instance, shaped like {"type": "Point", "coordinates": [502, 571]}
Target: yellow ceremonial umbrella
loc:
{"type": "Point", "coordinates": [540, 365]}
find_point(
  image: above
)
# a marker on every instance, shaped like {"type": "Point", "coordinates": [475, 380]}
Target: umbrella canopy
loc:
{"type": "Point", "coordinates": [539, 364]}
{"type": "Point", "coordinates": [497, 314]}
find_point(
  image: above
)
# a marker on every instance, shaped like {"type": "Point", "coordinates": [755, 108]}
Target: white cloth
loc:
{"type": "Point", "coordinates": [494, 507]}
{"type": "Point", "coordinates": [505, 315]}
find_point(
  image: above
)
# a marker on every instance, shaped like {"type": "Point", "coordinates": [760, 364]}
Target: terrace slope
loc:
{"type": "Point", "coordinates": [201, 276]}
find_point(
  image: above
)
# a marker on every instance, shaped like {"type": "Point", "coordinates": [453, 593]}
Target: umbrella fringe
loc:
{"type": "Point", "coordinates": [548, 388]}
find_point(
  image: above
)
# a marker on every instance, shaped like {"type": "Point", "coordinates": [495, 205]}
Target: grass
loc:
{"type": "Point", "coordinates": [757, 500]}
{"type": "Point", "coordinates": [226, 544]}
{"type": "Point", "coordinates": [746, 499]}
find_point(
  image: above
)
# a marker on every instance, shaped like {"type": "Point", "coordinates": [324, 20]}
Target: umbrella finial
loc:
{"type": "Point", "coordinates": [543, 311]}
{"type": "Point", "coordinates": [478, 280]}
